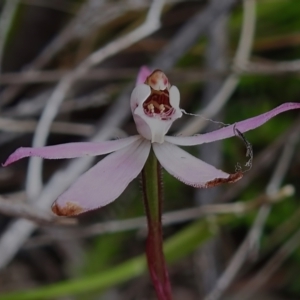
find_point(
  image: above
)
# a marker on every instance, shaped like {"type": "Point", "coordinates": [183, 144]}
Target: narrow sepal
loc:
{"type": "Point", "coordinates": [71, 150]}
{"type": "Point", "coordinates": [229, 131]}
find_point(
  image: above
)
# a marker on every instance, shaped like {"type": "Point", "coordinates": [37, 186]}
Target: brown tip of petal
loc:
{"type": "Point", "coordinates": [70, 209]}
{"type": "Point", "coordinates": [231, 179]}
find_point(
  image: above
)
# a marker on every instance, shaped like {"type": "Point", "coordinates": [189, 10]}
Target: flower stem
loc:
{"type": "Point", "coordinates": [152, 193]}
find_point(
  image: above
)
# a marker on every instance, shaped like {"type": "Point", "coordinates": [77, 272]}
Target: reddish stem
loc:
{"type": "Point", "coordinates": [152, 192]}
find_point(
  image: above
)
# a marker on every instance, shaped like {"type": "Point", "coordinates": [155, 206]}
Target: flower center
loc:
{"type": "Point", "coordinates": [158, 105]}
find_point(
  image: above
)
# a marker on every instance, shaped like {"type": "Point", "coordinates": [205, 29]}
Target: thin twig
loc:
{"type": "Point", "coordinates": [272, 68]}
{"type": "Point", "coordinates": [253, 68]}
{"type": "Point", "coordinates": [23, 210]}
{"type": "Point", "coordinates": [28, 126]}
{"type": "Point", "coordinates": [230, 84]}
{"type": "Point", "coordinates": [33, 106]}
{"type": "Point", "coordinates": [169, 218]}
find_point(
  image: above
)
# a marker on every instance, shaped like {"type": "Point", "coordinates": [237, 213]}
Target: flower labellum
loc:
{"type": "Point", "coordinates": [155, 106]}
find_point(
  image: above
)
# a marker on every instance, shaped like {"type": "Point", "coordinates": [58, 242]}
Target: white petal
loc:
{"type": "Point", "coordinates": [174, 97]}
{"type": "Point", "coordinates": [139, 95]}
{"type": "Point", "coordinates": [189, 169]}
{"type": "Point", "coordinates": [104, 182]}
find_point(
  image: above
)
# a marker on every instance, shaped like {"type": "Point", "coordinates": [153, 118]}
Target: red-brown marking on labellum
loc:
{"type": "Point", "coordinates": [158, 103]}
{"type": "Point", "coordinates": [155, 106]}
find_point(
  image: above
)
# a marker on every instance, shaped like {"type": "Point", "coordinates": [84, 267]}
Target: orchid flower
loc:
{"type": "Point", "coordinates": [155, 106]}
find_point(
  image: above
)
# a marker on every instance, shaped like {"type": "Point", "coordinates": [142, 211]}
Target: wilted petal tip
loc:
{"type": "Point", "coordinates": [70, 209]}
{"type": "Point", "coordinates": [230, 179]}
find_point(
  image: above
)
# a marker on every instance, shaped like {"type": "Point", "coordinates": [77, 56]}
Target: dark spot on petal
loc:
{"type": "Point", "coordinates": [70, 209]}
{"type": "Point", "coordinates": [231, 179]}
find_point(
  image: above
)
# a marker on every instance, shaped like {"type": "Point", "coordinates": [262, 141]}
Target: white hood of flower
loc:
{"type": "Point", "coordinates": [155, 106]}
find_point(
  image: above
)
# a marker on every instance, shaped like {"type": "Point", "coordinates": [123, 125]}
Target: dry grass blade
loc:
{"type": "Point", "coordinates": [23, 210]}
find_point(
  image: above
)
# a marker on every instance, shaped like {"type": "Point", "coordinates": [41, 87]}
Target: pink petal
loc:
{"type": "Point", "coordinates": [144, 72]}
{"type": "Point", "coordinates": [189, 169]}
{"type": "Point", "coordinates": [228, 131]}
{"type": "Point", "coordinates": [104, 182]}
{"type": "Point", "coordinates": [71, 150]}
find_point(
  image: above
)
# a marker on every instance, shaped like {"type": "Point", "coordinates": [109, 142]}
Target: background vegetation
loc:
{"type": "Point", "coordinates": [66, 71]}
